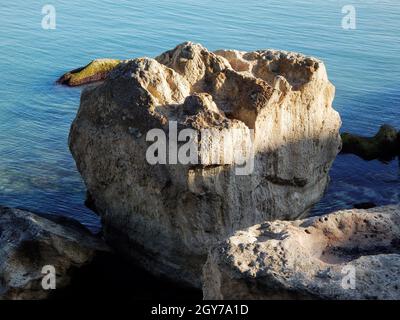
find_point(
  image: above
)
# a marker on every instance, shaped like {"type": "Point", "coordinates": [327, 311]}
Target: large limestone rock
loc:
{"type": "Point", "coordinates": [29, 242]}
{"type": "Point", "coordinates": [353, 254]}
{"type": "Point", "coordinates": [275, 105]}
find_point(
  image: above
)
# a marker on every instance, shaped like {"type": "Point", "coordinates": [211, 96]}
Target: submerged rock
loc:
{"type": "Point", "coordinates": [96, 70]}
{"type": "Point", "coordinates": [273, 104]}
{"type": "Point", "coordinates": [29, 242]}
{"type": "Point", "coordinates": [353, 254]}
{"type": "Point", "coordinates": [385, 145]}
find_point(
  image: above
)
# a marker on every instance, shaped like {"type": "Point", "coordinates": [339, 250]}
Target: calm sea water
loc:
{"type": "Point", "coordinates": [36, 169]}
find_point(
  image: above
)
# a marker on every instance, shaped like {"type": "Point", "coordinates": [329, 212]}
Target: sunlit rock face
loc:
{"type": "Point", "coordinates": [274, 105]}
{"type": "Point", "coordinates": [352, 254]}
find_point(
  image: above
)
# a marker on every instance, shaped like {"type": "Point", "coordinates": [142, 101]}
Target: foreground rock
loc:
{"type": "Point", "coordinates": [28, 242]}
{"type": "Point", "coordinates": [313, 258]}
{"type": "Point", "coordinates": [385, 145]}
{"type": "Point", "coordinates": [166, 216]}
{"type": "Point", "coordinates": [96, 70]}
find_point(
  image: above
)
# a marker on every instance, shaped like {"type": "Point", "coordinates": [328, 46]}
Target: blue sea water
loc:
{"type": "Point", "coordinates": [36, 169]}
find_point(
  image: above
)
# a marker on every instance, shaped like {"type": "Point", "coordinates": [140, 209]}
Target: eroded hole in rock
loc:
{"type": "Point", "coordinates": [268, 64]}
{"type": "Point", "coordinates": [338, 255]}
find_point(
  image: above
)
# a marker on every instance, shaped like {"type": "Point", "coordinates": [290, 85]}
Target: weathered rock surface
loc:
{"type": "Point", "coordinates": [28, 242]}
{"type": "Point", "coordinates": [385, 145]}
{"type": "Point", "coordinates": [96, 70]}
{"type": "Point", "coordinates": [166, 216]}
{"type": "Point", "coordinates": [310, 259]}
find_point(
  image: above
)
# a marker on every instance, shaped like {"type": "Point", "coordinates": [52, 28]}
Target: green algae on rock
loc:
{"type": "Point", "coordinates": [96, 70]}
{"type": "Point", "coordinates": [385, 145]}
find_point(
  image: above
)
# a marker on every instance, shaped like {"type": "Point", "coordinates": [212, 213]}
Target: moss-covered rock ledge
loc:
{"type": "Point", "coordinates": [385, 145]}
{"type": "Point", "coordinates": [96, 70]}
